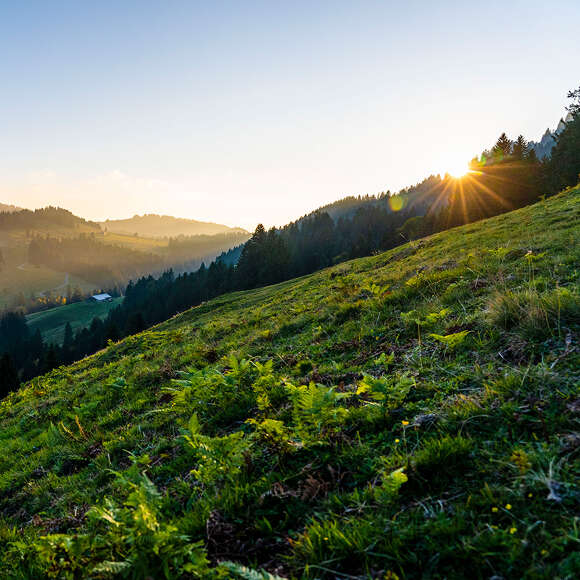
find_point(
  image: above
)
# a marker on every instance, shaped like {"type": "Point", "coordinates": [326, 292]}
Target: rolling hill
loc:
{"type": "Point", "coordinates": [78, 251]}
{"type": "Point", "coordinates": [159, 226]}
{"type": "Point", "coordinates": [408, 415]}
{"type": "Point", "coordinates": [8, 208]}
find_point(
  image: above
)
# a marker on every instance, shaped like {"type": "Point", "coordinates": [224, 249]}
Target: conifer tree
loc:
{"type": "Point", "coordinates": [574, 107]}
{"type": "Point", "coordinates": [8, 375]}
{"type": "Point", "coordinates": [67, 343]}
{"type": "Point", "coordinates": [50, 359]}
{"type": "Point", "coordinates": [563, 168]}
{"type": "Point", "coordinates": [502, 147]}
{"type": "Point", "coordinates": [520, 148]}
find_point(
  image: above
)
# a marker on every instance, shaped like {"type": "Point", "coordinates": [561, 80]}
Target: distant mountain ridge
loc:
{"type": "Point", "coordinates": [49, 217]}
{"type": "Point", "coordinates": [8, 208]}
{"type": "Point", "coordinates": [543, 147]}
{"type": "Point", "coordinates": [160, 226]}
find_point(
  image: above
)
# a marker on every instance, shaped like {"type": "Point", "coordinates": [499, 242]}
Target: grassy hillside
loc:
{"type": "Point", "coordinates": [51, 322]}
{"type": "Point", "coordinates": [135, 242]}
{"type": "Point", "coordinates": [409, 415]}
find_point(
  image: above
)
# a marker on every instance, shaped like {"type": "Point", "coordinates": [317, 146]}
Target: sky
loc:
{"type": "Point", "coordinates": [260, 111]}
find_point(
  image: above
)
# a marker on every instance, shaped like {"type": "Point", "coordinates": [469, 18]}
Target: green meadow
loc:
{"type": "Point", "coordinates": [409, 415]}
{"type": "Point", "coordinates": [52, 322]}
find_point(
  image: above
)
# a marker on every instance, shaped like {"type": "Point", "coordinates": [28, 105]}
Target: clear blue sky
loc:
{"type": "Point", "coordinates": [247, 111]}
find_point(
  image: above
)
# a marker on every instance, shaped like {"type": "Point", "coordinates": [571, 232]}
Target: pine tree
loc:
{"type": "Point", "coordinates": [520, 148]}
{"type": "Point", "coordinates": [36, 345]}
{"type": "Point", "coordinates": [68, 343]}
{"type": "Point", "coordinates": [574, 107]}
{"type": "Point", "coordinates": [249, 264]}
{"type": "Point", "coordinates": [68, 336]}
{"type": "Point", "coordinates": [8, 375]}
{"type": "Point", "coordinates": [136, 323]}
{"type": "Point", "coordinates": [50, 359]}
{"type": "Point", "coordinates": [502, 147]}
{"type": "Point", "coordinates": [563, 168]}
{"type": "Point", "coordinates": [35, 253]}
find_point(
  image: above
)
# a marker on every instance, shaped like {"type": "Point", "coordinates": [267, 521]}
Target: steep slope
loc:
{"type": "Point", "coordinates": [409, 415]}
{"type": "Point", "coordinates": [155, 226]}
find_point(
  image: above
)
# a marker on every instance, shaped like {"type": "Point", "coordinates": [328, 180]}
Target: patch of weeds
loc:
{"type": "Point", "coordinates": [438, 460]}
{"type": "Point", "coordinates": [536, 315]}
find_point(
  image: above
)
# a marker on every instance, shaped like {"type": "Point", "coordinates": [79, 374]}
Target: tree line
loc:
{"type": "Point", "coordinates": [40, 219]}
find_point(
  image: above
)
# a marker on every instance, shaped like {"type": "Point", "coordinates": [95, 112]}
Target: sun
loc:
{"type": "Point", "coordinates": [458, 170]}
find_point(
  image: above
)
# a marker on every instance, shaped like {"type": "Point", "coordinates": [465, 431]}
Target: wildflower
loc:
{"type": "Point", "coordinates": [513, 530]}
{"type": "Point", "coordinates": [405, 423]}
{"type": "Point", "coordinates": [530, 495]}
{"type": "Point", "coordinates": [397, 440]}
{"type": "Point", "coordinates": [544, 552]}
{"type": "Point", "coordinates": [326, 539]}
{"type": "Point", "coordinates": [494, 509]}
{"type": "Point", "coordinates": [508, 506]}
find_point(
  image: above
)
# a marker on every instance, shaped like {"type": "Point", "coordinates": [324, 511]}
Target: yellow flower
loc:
{"type": "Point", "coordinates": [397, 440]}
{"type": "Point", "coordinates": [326, 539]}
{"type": "Point", "coordinates": [405, 423]}
{"type": "Point", "coordinates": [513, 530]}
{"type": "Point", "coordinates": [494, 509]}
{"type": "Point", "coordinates": [508, 506]}
{"type": "Point", "coordinates": [530, 495]}
{"type": "Point", "coordinates": [544, 552]}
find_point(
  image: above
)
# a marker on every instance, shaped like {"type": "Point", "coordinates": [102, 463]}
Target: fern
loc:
{"type": "Point", "coordinates": [111, 568]}
{"type": "Point", "coordinates": [316, 410]}
{"type": "Point", "coordinates": [451, 341]}
{"type": "Point", "coordinates": [390, 392]}
{"type": "Point", "coordinates": [249, 573]}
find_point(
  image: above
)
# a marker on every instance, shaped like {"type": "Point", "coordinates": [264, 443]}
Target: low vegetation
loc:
{"type": "Point", "coordinates": [409, 415]}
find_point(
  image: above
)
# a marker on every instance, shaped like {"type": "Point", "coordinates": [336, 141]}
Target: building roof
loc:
{"type": "Point", "coordinates": [101, 296]}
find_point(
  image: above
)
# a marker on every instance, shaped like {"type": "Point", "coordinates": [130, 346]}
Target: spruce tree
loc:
{"type": "Point", "coordinates": [520, 148]}
{"type": "Point", "coordinates": [68, 343]}
{"type": "Point", "coordinates": [8, 375]}
{"type": "Point", "coordinates": [50, 359]}
{"type": "Point", "coordinates": [502, 147]}
{"type": "Point", "coordinates": [563, 167]}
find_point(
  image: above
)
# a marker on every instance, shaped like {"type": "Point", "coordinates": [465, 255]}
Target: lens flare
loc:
{"type": "Point", "coordinates": [396, 202]}
{"type": "Point", "coordinates": [458, 171]}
